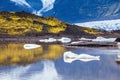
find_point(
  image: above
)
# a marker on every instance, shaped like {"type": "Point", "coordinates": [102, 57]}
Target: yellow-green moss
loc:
{"type": "Point", "coordinates": [21, 23]}
{"type": "Point", "coordinates": [91, 31]}
{"type": "Point", "coordinates": [12, 24]}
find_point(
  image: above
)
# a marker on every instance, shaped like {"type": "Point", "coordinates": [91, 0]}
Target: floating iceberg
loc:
{"type": "Point", "coordinates": [69, 57]}
{"type": "Point", "coordinates": [102, 39]}
{"type": "Point", "coordinates": [76, 42]}
{"type": "Point", "coordinates": [118, 45]}
{"type": "Point", "coordinates": [64, 40]}
{"type": "Point", "coordinates": [31, 46]}
{"type": "Point", "coordinates": [49, 40]}
{"type": "Point", "coordinates": [85, 39]}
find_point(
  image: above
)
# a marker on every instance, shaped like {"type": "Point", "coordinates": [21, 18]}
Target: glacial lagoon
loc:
{"type": "Point", "coordinates": [47, 63]}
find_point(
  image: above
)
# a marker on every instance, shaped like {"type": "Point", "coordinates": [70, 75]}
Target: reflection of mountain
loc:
{"type": "Point", "coordinates": [15, 54]}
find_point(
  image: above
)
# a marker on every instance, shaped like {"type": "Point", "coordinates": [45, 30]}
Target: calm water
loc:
{"type": "Point", "coordinates": [46, 63]}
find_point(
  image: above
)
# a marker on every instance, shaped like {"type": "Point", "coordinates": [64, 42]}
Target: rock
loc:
{"type": "Point", "coordinates": [117, 40]}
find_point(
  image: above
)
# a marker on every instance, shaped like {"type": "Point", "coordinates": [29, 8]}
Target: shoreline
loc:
{"type": "Point", "coordinates": [78, 45]}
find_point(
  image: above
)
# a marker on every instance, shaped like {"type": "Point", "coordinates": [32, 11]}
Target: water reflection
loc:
{"type": "Point", "coordinates": [14, 54]}
{"type": "Point", "coordinates": [118, 58]}
{"type": "Point", "coordinates": [47, 73]}
{"type": "Point", "coordinates": [56, 69]}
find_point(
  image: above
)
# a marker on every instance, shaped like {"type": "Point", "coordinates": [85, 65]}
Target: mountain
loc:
{"type": "Point", "coordinates": [73, 11]}
{"type": "Point", "coordinates": [26, 24]}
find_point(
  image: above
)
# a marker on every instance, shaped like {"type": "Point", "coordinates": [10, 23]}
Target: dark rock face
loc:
{"type": "Point", "coordinates": [117, 40]}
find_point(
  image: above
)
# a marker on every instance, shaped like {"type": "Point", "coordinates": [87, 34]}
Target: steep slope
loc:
{"type": "Point", "coordinates": [26, 24]}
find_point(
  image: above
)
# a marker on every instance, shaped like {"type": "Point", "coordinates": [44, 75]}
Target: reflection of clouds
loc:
{"type": "Point", "coordinates": [48, 73]}
{"type": "Point", "coordinates": [14, 74]}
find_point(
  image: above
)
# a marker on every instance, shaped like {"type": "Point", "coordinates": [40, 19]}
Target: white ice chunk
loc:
{"type": "Point", "coordinates": [31, 46]}
{"type": "Point", "coordinates": [85, 39]}
{"type": "Point", "coordinates": [48, 40]}
{"type": "Point", "coordinates": [76, 42]}
{"type": "Point", "coordinates": [69, 57]}
{"type": "Point", "coordinates": [102, 39]}
{"type": "Point", "coordinates": [118, 45]}
{"type": "Point", "coordinates": [64, 40]}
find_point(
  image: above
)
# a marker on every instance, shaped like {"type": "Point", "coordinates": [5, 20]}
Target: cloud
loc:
{"type": "Point", "coordinates": [21, 2]}
{"type": "Point", "coordinates": [47, 5]}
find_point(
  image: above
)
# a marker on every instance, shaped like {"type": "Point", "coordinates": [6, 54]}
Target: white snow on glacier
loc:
{"type": "Point", "coordinates": [108, 25]}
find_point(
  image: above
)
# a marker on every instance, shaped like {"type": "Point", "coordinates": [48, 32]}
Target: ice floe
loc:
{"type": "Point", "coordinates": [69, 57]}
{"type": "Point", "coordinates": [102, 39]}
{"type": "Point", "coordinates": [118, 45]}
{"type": "Point", "coordinates": [49, 40]}
{"type": "Point", "coordinates": [85, 39]}
{"type": "Point", "coordinates": [99, 39]}
{"type": "Point", "coordinates": [62, 40]}
{"type": "Point", "coordinates": [31, 46]}
{"type": "Point", "coordinates": [76, 42]}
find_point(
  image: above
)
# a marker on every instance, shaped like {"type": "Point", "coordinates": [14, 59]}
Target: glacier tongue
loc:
{"type": "Point", "coordinates": [107, 25]}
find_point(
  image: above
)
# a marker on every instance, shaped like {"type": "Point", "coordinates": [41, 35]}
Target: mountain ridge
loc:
{"type": "Point", "coordinates": [23, 23]}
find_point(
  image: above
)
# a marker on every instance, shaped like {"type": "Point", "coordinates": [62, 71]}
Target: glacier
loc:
{"type": "Point", "coordinates": [107, 25]}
